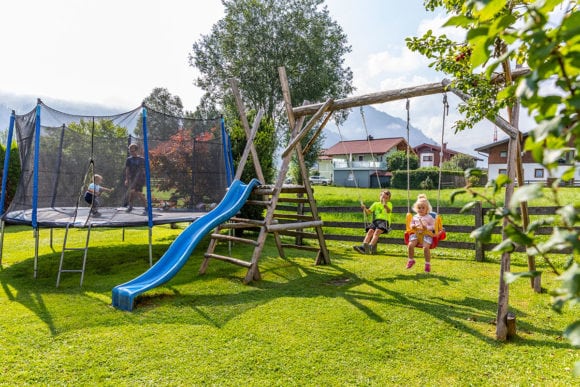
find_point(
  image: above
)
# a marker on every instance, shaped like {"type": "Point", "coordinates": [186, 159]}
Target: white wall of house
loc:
{"type": "Point", "coordinates": [427, 159]}
{"type": "Point", "coordinates": [533, 172]}
{"type": "Point", "coordinates": [326, 169]}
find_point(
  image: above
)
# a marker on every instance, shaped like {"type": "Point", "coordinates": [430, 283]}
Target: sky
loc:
{"type": "Point", "coordinates": [114, 53]}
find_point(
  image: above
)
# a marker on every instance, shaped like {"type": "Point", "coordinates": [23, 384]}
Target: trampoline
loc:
{"type": "Point", "coordinates": [187, 166]}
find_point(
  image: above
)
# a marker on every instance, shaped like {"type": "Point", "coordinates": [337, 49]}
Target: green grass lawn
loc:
{"type": "Point", "coordinates": [363, 320]}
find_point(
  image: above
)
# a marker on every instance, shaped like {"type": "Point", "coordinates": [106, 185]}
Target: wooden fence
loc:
{"type": "Point", "coordinates": [471, 220]}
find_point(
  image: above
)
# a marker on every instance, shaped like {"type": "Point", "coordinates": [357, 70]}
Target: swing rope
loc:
{"type": "Point", "coordinates": [441, 154]}
{"type": "Point", "coordinates": [408, 106]}
{"type": "Point", "coordinates": [349, 163]}
{"type": "Point", "coordinates": [373, 159]}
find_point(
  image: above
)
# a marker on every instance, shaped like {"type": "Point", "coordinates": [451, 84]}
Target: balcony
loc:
{"type": "Point", "coordinates": [341, 164]}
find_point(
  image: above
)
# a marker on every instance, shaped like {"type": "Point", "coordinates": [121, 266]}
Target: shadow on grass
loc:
{"type": "Point", "coordinates": [219, 296]}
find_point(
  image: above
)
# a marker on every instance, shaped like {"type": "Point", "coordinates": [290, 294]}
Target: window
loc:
{"type": "Point", "coordinates": [502, 171]}
{"type": "Point", "coordinates": [361, 158]}
{"type": "Point", "coordinates": [539, 173]}
{"type": "Point", "coordinates": [427, 157]}
{"type": "Point", "coordinates": [503, 154]}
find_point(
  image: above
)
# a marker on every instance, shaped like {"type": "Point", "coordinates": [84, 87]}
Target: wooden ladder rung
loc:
{"type": "Point", "coordinates": [293, 216]}
{"type": "Point", "coordinates": [230, 238]}
{"type": "Point", "coordinates": [265, 203]}
{"type": "Point", "coordinates": [255, 222]}
{"type": "Point", "coordinates": [294, 226]}
{"type": "Point", "coordinates": [300, 247]}
{"type": "Point", "coordinates": [293, 200]}
{"type": "Point", "coordinates": [233, 260]}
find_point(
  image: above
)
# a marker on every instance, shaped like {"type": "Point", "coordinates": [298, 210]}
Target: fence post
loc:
{"type": "Point", "coordinates": [478, 212]}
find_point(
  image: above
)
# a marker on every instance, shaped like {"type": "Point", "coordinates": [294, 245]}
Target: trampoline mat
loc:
{"type": "Point", "coordinates": [107, 217]}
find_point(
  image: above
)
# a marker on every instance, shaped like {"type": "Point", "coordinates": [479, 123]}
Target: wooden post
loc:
{"type": "Point", "coordinates": [511, 325]}
{"type": "Point", "coordinates": [478, 212]}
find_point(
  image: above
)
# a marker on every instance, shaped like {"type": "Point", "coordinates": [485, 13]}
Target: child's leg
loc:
{"type": "Point", "coordinates": [375, 236]}
{"type": "Point", "coordinates": [427, 252]}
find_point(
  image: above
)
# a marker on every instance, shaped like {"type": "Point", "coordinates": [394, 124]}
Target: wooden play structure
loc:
{"type": "Point", "coordinates": [271, 196]}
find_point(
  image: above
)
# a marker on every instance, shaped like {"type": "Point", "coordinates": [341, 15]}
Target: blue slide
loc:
{"type": "Point", "coordinates": [181, 248]}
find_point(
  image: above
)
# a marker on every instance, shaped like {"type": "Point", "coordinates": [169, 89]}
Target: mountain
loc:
{"type": "Point", "coordinates": [378, 125]}
{"type": "Point", "coordinates": [23, 104]}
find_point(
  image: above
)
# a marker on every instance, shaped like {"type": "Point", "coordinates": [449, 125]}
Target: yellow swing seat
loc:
{"type": "Point", "coordinates": [438, 234]}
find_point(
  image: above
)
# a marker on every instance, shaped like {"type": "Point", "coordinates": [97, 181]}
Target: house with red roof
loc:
{"type": "Point", "coordinates": [360, 163]}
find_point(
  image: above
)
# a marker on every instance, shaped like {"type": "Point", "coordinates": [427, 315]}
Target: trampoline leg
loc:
{"type": "Point", "coordinates": [150, 246]}
{"type": "Point", "coordinates": [36, 237]}
{"type": "Point", "coordinates": [1, 240]}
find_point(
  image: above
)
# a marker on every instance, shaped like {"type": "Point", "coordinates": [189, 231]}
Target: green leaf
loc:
{"type": "Point", "coordinates": [511, 277]}
{"type": "Point", "coordinates": [491, 9]}
{"type": "Point", "coordinates": [505, 246]}
{"type": "Point", "coordinates": [572, 333]}
{"type": "Point", "coordinates": [568, 214]}
{"type": "Point", "coordinates": [525, 194]}
{"type": "Point", "coordinates": [517, 235]}
{"type": "Point", "coordinates": [455, 193]}
{"type": "Point", "coordinates": [459, 21]}
{"type": "Point", "coordinates": [483, 233]}
{"type": "Point", "coordinates": [468, 207]}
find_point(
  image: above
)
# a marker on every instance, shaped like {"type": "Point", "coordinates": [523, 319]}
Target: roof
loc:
{"type": "Point", "coordinates": [376, 145]}
{"type": "Point", "coordinates": [437, 148]}
{"type": "Point", "coordinates": [487, 148]}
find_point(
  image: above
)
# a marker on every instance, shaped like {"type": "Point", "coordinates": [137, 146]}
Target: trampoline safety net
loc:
{"type": "Point", "coordinates": [187, 159]}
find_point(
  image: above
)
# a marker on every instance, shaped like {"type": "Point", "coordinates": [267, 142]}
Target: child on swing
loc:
{"type": "Point", "coordinates": [381, 212]}
{"type": "Point", "coordinates": [421, 222]}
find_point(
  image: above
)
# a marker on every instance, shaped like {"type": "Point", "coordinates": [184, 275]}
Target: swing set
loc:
{"type": "Point", "coordinates": [438, 233]}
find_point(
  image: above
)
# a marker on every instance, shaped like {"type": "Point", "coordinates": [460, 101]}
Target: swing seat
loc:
{"type": "Point", "coordinates": [438, 234]}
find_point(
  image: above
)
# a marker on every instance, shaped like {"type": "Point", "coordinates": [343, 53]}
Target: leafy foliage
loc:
{"type": "Point", "coordinates": [459, 162]}
{"type": "Point", "coordinates": [161, 125]}
{"type": "Point", "coordinates": [255, 38]}
{"type": "Point", "coordinates": [530, 33]}
{"type": "Point", "coordinates": [397, 161]}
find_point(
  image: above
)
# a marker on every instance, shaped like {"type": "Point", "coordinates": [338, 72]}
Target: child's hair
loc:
{"type": "Point", "coordinates": [422, 198]}
{"type": "Point", "coordinates": [133, 146]}
{"type": "Point", "coordinates": [98, 177]}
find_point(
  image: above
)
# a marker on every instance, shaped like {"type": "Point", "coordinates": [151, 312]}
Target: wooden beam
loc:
{"type": "Point", "coordinates": [392, 95]}
{"type": "Point", "coordinates": [246, 125]}
{"type": "Point", "coordinates": [373, 98]}
{"type": "Point", "coordinates": [327, 105]}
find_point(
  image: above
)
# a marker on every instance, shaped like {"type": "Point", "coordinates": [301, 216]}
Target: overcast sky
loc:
{"type": "Point", "coordinates": [114, 52]}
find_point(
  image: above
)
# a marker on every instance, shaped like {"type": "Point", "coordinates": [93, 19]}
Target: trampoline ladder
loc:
{"type": "Point", "coordinates": [85, 250]}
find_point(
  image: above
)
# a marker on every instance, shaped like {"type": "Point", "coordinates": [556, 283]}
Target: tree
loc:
{"type": "Point", "coordinates": [170, 106]}
{"type": "Point", "coordinates": [459, 162]}
{"type": "Point", "coordinates": [254, 38]}
{"type": "Point", "coordinates": [397, 161]}
{"type": "Point", "coordinates": [500, 33]}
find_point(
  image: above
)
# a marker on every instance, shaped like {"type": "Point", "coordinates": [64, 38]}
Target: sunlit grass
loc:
{"type": "Point", "coordinates": [363, 320]}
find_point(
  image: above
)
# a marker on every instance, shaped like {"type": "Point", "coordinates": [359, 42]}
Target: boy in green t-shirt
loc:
{"type": "Point", "coordinates": [381, 223]}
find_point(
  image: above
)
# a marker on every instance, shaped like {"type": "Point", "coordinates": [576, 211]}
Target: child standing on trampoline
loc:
{"type": "Point", "coordinates": [381, 211]}
{"type": "Point", "coordinates": [93, 192]}
{"type": "Point", "coordinates": [421, 222]}
{"type": "Point", "coordinates": [134, 177]}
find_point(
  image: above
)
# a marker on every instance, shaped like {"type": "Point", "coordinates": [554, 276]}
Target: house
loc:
{"type": "Point", "coordinates": [497, 157]}
{"type": "Point", "coordinates": [430, 154]}
{"type": "Point", "coordinates": [360, 163]}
